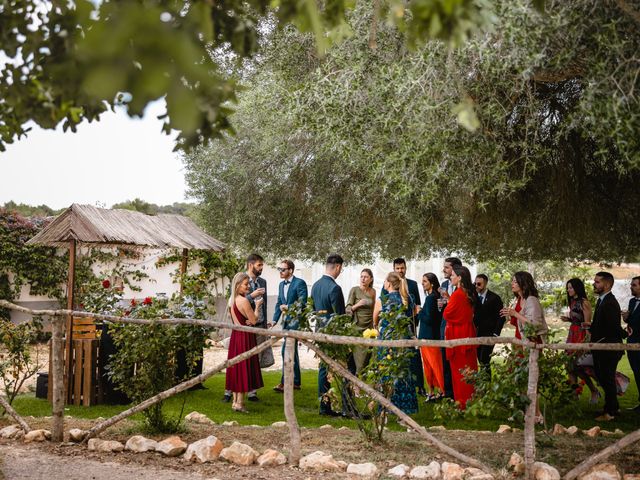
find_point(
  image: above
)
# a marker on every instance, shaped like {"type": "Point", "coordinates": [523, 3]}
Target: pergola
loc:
{"type": "Point", "coordinates": [85, 225]}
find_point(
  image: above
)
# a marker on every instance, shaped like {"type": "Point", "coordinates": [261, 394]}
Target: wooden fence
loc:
{"type": "Point", "coordinates": [311, 340]}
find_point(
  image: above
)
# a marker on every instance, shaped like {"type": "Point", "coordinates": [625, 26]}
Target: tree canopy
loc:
{"type": "Point", "coordinates": [65, 62]}
{"type": "Point", "coordinates": [522, 142]}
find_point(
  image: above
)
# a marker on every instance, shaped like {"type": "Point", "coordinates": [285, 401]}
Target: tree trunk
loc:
{"type": "Point", "coordinates": [530, 416]}
{"type": "Point", "coordinates": [9, 409]}
{"type": "Point", "coordinates": [289, 406]}
{"type": "Point", "coordinates": [57, 371]}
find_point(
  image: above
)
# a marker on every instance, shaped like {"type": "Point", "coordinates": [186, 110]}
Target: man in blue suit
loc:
{"type": "Point", "coordinates": [292, 289]}
{"type": "Point", "coordinates": [632, 318]}
{"type": "Point", "coordinates": [327, 300]}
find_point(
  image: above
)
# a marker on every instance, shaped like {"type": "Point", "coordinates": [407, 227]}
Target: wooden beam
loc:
{"type": "Point", "coordinates": [289, 407]}
{"type": "Point", "coordinates": [183, 267]}
{"type": "Point", "coordinates": [57, 379]}
{"type": "Point", "coordinates": [71, 281]}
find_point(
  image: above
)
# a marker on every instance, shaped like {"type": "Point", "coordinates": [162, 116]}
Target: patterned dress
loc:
{"type": "Point", "coordinates": [404, 390]}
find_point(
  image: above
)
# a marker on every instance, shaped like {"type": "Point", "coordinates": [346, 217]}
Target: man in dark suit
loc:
{"type": "Point", "coordinates": [605, 328]}
{"type": "Point", "coordinates": [446, 289]}
{"type": "Point", "coordinates": [632, 318]}
{"type": "Point", "coordinates": [327, 300]}
{"type": "Point", "coordinates": [487, 319]}
{"type": "Point", "coordinates": [257, 289]}
{"type": "Point", "coordinates": [291, 290]}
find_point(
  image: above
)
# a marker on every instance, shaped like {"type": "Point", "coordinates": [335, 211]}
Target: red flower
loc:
{"type": "Point", "coordinates": [147, 301]}
{"type": "Point", "coordinates": [133, 302]}
{"type": "Point", "coordinates": [106, 284]}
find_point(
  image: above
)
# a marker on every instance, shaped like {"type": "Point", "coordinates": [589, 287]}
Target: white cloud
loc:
{"type": "Point", "coordinates": [105, 162]}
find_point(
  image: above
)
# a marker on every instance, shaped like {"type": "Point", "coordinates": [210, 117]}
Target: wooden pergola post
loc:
{"type": "Point", "coordinates": [71, 282]}
{"type": "Point", "coordinates": [183, 267]}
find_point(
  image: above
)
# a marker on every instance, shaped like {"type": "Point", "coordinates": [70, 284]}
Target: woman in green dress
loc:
{"type": "Point", "coordinates": [360, 305]}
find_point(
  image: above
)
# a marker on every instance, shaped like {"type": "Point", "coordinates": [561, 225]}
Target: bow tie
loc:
{"type": "Point", "coordinates": [287, 282]}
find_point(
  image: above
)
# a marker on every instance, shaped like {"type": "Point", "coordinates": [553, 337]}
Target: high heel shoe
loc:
{"type": "Point", "coordinates": [595, 397]}
{"type": "Point", "coordinates": [240, 409]}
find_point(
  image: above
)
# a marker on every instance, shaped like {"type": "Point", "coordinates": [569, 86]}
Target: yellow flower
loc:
{"type": "Point", "coordinates": [370, 333]}
{"type": "Point", "coordinates": [389, 357]}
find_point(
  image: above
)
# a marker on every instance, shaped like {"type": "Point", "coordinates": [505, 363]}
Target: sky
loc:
{"type": "Point", "coordinates": [105, 162]}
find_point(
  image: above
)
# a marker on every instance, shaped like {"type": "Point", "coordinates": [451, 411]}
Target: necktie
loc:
{"type": "Point", "coordinates": [634, 303]}
{"type": "Point", "coordinates": [481, 298]}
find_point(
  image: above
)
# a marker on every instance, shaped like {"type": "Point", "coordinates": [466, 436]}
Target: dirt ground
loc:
{"type": "Point", "coordinates": [69, 461]}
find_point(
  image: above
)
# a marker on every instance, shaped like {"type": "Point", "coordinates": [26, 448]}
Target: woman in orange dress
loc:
{"type": "Point", "coordinates": [459, 316]}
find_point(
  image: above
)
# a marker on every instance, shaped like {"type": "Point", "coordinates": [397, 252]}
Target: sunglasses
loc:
{"type": "Point", "coordinates": [478, 284]}
{"type": "Point", "coordinates": [280, 269]}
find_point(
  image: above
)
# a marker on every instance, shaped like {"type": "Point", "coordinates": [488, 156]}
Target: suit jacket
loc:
{"type": "Point", "coordinates": [413, 290]}
{"type": "Point", "coordinates": [261, 283]}
{"type": "Point", "coordinates": [605, 326]}
{"type": "Point", "coordinates": [633, 320]}
{"type": "Point", "coordinates": [487, 317]}
{"type": "Point", "coordinates": [297, 292]}
{"type": "Point", "coordinates": [327, 298]}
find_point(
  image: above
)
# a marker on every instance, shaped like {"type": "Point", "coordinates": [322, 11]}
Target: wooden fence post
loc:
{"type": "Point", "coordinates": [57, 371]}
{"type": "Point", "coordinates": [289, 407]}
{"type": "Point", "coordinates": [530, 416]}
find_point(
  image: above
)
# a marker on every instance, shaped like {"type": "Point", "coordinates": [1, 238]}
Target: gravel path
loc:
{"type": "Point", "coordinates": [24, 463]}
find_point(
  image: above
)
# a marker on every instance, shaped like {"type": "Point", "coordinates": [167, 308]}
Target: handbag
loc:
{"type": "Point", "coordinates": [265, 357]}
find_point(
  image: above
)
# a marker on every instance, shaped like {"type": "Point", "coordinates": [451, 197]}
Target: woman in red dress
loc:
{"type": "Point", "coordinates": [246, 375]}
{"type": "Point", "coordinates": [459, 317]}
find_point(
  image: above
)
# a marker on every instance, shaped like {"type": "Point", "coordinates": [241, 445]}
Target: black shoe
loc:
{"type": "Point", "coordinates": [634, 409]}
{"type": "Point", "coordinates": [330, 413]}
{"type": "Point", "coordinates": [253, 398]}
{"type": "Point", "coordinates": [226, 398]}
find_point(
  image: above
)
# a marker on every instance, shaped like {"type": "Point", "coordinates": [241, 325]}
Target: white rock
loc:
{"type": "Point", "coordinates": [617, 431]}
{"type": "Point", "coordinates": [12, 431]}
{"type": "Point", "coordinates": [271, 458]}
{"type": "Point", "coordinates": [544, 471]}
{"type": "Point", "coordinates": [76, 435]}
{"type": "Point", "coordinates": [572, 430]}
{"type": "Point", "coordinates": [503, 429]}
{"type": "Point", "coordinates": [321, 462]}
{"type": "Point", "coordinates": [344, 429]}
{"type": "Point", "coordinates": [452, 471]}
{"type": "Point", "coordinates": [516, 463]}
{"type": "Point", "coordinates": [558, 429]}
{"type": "Point", "coordinates": [472, 473]}
{"type": "Point", "coordinates": [399, 471]}
{"type": "Point", "coordinates": [37, 436]}
{"type": "Point", "coordinates": [431, 471]}
{"type": "Point", "coordinates": [205, 450]}
{"type": "Point", "coordinates": [326, 427]}
{"type": "Point", "coordinates": [99, 445]}
{"type": "Point", "coordinates": [363, 469]}
{"type": "Point", "coordinates": [172, 446]}
{"type": "Point", "coordinates": [602, 471]}
{"type": "Point", "coordinates": [229, 423]}
{"type": "Point", "coordinates": [438, 428]}
{"type": "Point", "coordinates": [197, 417]}
{"type": "Point", "coordinates": [631, 476]}
{"type": "Point", "coordinates": [279, 424]}
{"type": "Point", "coordinates": [592, 432]}
{"type": "Point", "coordinates": [240, 454]}
{"type": "Point", "coordinates": [140, 444]}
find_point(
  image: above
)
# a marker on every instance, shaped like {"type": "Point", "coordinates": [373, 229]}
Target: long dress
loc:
{"type": "Point", "coordinates": [459, 314]}
{"type": "Point", "coordinates": [404, 392]}
{"type": "Point", "coordinates": [363, 318]}
{"type": "Point", "coordinates": [246, 375]}
{"type": "Point", "coordinates": [429, 320]}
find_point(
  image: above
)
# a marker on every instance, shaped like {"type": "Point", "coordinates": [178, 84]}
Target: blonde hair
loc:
{"type": "Point", "coordinates": [399, 284]}
{"type": "Point", "coordinates": [237, 280]}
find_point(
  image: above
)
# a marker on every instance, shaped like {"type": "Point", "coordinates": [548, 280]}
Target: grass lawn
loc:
{"type": "Point", "coordinates": [270, 407]}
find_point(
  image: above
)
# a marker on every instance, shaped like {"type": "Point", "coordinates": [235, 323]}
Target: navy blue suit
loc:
{"type": "Point", "coordinates": [633, 321]}
{"type": "Point", "coordinates": [297, 293]}
{"type": "Point", "coordinates": [327, 300]}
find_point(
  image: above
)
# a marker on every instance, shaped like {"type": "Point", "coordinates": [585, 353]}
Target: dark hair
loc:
{"type": "Point", "coordinates": [334, 259]}
{"type": "Point", "coordinates": [290, 264]}
{"type": "Point", "coordinates": [578, 287]}
{"type": "Point", "coordinates": [453, 261]}
{"type": "Point", "coordinates": [399, 261]}
{"type": "Point", "coordinates": [527, 284]}
{"type": "Point", "coordinates": [433, 280]}
{"type": "Point", "coordinates": [465, 283]}
{"type": "Point", "coordinates": [606, 276]}
{"type": "Point", "coordinates": [635, 278]}
{"type": "Point", "coordinates": [253, 258]}
{"type": "Point", "coordinates": [370, 273]}
{"type": "Point", "coordinates": [483, 276]}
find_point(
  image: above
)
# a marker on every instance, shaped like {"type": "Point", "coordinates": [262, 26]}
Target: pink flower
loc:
{"type": "Point", "coordinates": [106, 284]}
{"type": "Point", "coordinates": [147, 301]}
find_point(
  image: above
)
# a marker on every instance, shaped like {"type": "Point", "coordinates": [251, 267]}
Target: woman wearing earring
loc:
{"type": "Point", "coordinates": [459, 315]}
{"type": "Point", "coordinates": [429, 320]}
{"type": "Point", "coordinates": [360, 304]}
{"type": "Point", "coordinates": [245, 376]}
